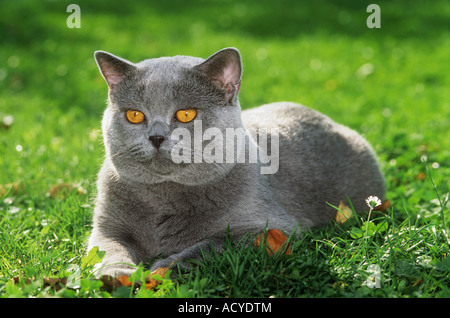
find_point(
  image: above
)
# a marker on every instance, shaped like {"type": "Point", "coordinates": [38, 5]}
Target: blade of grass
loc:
{"type": "Point", "coordinates": [442, 204]}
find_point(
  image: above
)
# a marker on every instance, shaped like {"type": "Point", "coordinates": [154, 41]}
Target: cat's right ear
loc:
{"type": "Point", "coordinates": [225, 70]}
{"type": "Point", "coordinates": [113, 68]}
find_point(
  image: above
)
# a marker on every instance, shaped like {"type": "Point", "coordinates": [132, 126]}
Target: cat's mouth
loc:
{"type": "Point", "coordinates": [163, 166]}
{"type": "Point", "coordinates": [161, 170]}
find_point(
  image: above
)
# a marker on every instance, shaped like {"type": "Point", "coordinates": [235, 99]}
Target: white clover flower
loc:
{"type": "Point", "coordinates": [373, 201]}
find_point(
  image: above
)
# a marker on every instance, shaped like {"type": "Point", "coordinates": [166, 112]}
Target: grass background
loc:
{"type": "Point", "coordinates": [390, 84]}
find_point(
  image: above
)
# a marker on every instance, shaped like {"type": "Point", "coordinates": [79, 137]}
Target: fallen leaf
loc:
{"type": "Point", "coordinates": [17, 280]}
{"type": "Point", "coordinates": [383, 206]}
{"type": "Point", "coordinates": [55, 283]}
{"type": "Point", "coordinates": [152, 281]}
{"type": "Point", "coordinates": [12, 188]}
{"type": "Point", "coordinates": [124, 280]}
{"type": "Point", "coordinates": [111, 283]}
{"type": "Point", "coordinates": [274, 241]}
{"type": "Point", "coordinates": [61, 190]}
{"type": "Point", "coordinates": [421, 176]}
{"type": "Point", "coordinates": [343, 214]}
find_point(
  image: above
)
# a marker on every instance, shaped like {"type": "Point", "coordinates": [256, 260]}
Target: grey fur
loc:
{"type": "Point", "coordinates": [149, 206]}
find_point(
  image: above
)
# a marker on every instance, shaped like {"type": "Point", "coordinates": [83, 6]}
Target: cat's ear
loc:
{"type": "Point", "coordinates": [113, 68]}
{"type": "Point", "coordinates": [225, 70]}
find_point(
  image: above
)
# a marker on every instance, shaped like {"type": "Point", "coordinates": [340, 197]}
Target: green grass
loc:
{"type": "Point", "coordinates": [390, 84]}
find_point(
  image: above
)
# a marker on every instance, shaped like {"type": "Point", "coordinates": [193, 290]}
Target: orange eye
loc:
{"type": "Point", "coordinates": [186, 115]}
{"type": "Point", "coordinates": [135, 116]}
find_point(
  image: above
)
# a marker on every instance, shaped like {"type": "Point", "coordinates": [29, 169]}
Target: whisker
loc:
{"type": "Point", "coordinates": [133, 150]}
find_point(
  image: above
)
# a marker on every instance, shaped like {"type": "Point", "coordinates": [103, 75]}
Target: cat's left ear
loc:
{"type": "Point", "coordinates": [225, 70]}
{"type": "Point", "coordinates": [113, 68]}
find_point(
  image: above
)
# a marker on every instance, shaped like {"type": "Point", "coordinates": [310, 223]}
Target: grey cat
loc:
{"type": "Point", "coordinates": [149, 206]}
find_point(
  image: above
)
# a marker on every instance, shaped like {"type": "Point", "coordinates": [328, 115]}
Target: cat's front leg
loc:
{"type": "Point", "coordinates": [118, 259]}
{"type": "Point", "coordinates": [115, 269]}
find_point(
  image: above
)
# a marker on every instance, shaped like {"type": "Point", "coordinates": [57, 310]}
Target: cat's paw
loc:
{"type": "Point", "coordinates": [166, 262]}
{"type": "Point", "coordinates": [116, 270]}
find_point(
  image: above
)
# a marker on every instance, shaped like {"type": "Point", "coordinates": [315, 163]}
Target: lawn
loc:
{"type": "Point", "coordinates": [391, 84]}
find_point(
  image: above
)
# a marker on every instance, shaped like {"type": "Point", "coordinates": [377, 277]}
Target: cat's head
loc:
{"type": "Point", "coordinates": [150, 100]}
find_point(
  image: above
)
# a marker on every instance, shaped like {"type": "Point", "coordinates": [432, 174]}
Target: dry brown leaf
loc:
{"type": "Point", "coordinates": [111, 283]}
{"type": "Point", "coordinates": [383, 206]}
{"type": "Point", "coordinates": [17, 280]}
{"type": "Point", "coordinates": [150, 282]}
{"type": "Point", "coordinates": [421, 176]}
{"type": "Point", "coordinates": [274, 241]}
{"type": "Point", "coordinates": [124, 281]}
{"type": "Point", "coordinates": [61, 190]}
{"type": "Point", "coordinates": [343, 214]}
{"type": "Point", "coordinates": [55, 283]}
{"type": "Point", "coordinates": [13, 187]}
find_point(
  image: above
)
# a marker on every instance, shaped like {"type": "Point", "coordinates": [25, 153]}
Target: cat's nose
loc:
{"type": "Point", "coordinates": [156, 140]}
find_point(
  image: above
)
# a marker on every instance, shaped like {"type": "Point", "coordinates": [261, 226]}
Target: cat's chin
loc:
{"type": "Point", "coordinates": [190, 174]}
{"type": "Point", "coordinates": [161, 168]}
{"type": "Point", "coordinates": [157, 168]}
{"type": "Point", "coordinates": [180, 173]}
